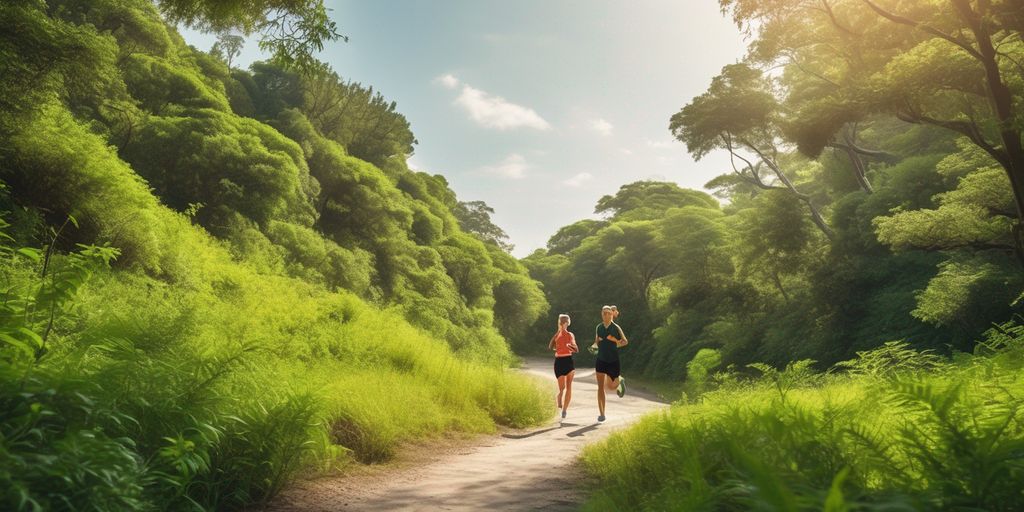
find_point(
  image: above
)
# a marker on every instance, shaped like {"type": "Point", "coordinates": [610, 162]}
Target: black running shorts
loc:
{"type": "Point", "coordinates": [611, 369]}
{"type": "Point", "coordinates": [563, 365]}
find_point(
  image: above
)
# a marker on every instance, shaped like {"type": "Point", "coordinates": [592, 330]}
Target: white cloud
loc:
{"type": "Point", "coordinates": [578, 179]}
{"type": "Point", "coordinates": [493, 111]}
{"type": "Point", "coordinates": [601, 126]}
{"type": "Point", "coordinates": [626, 151]}
{"type": "Point", "coordinates": [448, 80]}
{"type": "Point", "coordinates": [660, 144]}
{"type": "Point", "coordinates": [512, 167]}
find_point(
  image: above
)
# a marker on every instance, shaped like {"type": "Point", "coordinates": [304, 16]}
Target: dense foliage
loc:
{"type": "Point", "coordinates": [871, 226]}
{"type": "Point", "coordinates": [871, 197]}
{"type": "Point", "coordinates": [301, 172]}
{"type": "Point", "coordinates": [897, 430]}
{"type": "Point", "coordinates": [215, 278]}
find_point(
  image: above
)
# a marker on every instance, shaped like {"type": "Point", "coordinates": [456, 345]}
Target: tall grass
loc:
{"type": "Point", "coordinates": [916, 433]}
{"type": "Point", "coordinates": [213, 386]}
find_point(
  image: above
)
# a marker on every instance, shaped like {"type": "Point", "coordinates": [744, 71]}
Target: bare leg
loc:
{"type": "Point", "coordinates": [600, 392]}
{"type": "Point", "coordinates": [561, 389]}
{"type": "Point", "coordinates": [568, 390]}
{"type": "Point", "coordinates": [612, 384]}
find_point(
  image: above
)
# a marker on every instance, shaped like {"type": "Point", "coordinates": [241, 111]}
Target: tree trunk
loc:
{"type": "Point", "coordinates": [1002, 104]}
{"type": "Point", "coordinates": [1011, 156]}
{"type": "Point", "coordinates": [778, 284]}
{"type": "Point", "coordinates": [859, 167]}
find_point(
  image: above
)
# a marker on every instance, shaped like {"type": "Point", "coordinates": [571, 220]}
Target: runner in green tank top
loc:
{"type": "Point", "coordinates": [608, 338]}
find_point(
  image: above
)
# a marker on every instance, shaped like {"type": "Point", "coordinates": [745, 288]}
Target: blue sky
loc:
{"type": "Point", "coordinates": [538, 108]}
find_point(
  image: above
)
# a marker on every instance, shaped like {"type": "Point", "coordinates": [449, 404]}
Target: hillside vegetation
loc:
{"type": "Point", "coordinates": [216, 278]}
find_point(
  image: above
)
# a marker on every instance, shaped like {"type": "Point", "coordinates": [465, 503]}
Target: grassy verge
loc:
{"type": "Point", "coordinates": [916, 433]}
{"type": "Point", "coordinates": [214, 385]}
{"type": "Point", "coordinates": [667, 391]}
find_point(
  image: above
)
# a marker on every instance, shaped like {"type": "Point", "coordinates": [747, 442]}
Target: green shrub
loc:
{"type": "Point", "coordinates": [904, 431]}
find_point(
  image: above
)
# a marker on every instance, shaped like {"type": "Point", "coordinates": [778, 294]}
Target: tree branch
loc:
{"type": "Point", "coordinates": [970, 130]}
{"type": "Point", "coordinates": [895, 18]}
{"type": "Point", "coordinates": [827, 9]}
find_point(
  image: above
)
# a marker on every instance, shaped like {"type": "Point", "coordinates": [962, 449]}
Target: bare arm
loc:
{"type": "Point", "coordinates": [551, 344]}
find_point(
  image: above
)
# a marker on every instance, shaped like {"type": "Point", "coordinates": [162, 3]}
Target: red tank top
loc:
{"type": "Point", "coordinates": [562, 342]}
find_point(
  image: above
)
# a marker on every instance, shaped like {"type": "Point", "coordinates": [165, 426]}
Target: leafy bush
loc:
{"type": "Point", "coordinates": [698, 372]}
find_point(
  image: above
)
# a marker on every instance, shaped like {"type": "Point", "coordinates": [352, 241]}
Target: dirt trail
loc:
{"type": "Point", "coordinates": [530, 469]}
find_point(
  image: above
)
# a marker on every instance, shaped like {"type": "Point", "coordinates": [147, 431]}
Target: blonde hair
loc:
{"type": "Point", "coordinates": [565, 317]}
{"type": "Point", "coordinates": [607, 308]}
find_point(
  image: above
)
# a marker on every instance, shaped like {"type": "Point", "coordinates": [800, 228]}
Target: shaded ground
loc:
{"type": "Point", "coordinates": [530, 469]}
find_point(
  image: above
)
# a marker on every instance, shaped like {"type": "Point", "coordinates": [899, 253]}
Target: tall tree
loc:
{"type": "Point", "coordinates": [954, 65]}
{"type": "Point", "coordinates": [475, 217]}
{"type": "Point", "coordinates": [227, 47]}
{"type": "Point", "coordinates": [739, 113]}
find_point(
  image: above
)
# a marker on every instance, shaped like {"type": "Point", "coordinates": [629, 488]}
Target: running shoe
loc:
{"type": "Point", "coordinates": [621, 390]}
{"type": "Point", "coordinates": [563, 414]}
{"type": "Point", "coordinates": [600, 418]}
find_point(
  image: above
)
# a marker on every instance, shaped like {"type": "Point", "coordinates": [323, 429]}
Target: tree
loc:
{"type": "Point", "coordinates": [291, 30]}
{"type": "Point", "coordinates": [738, 113]}
{"type": "Point", "coordinates": [570, 237]}
{"type": "Point", "coordinates": [643, 200]}
{"type": "Point", "coordinates": [697, 238]}
{"type": "Point", "coordinates": [475, 217]}
{"type": "Point", "coordinates": [638, 254]}
{"type": "Point", "coordinates": [229, 164]}
{"type": "Point", "coordinates": [771, 238]}
{"type": "Point", "coordinates": [977, 32]}
{"type": "Point", "coordinates": [227, 47]}
{"type": "Point", "coordinates": [366, 124]}
{"type": "Point", "coordinates": [975, 215]}
{"type": "Point", "coordinates": [954, 65]}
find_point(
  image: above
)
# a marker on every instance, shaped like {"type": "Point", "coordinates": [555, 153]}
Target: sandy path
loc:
{"type": "Point", "coordinates": [519, 470]}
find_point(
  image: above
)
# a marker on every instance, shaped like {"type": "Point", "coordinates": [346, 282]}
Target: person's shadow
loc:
{"type": "Point", "coordinates": [584, 430]}
{"type": "Point", "coordinates": [537, 432]}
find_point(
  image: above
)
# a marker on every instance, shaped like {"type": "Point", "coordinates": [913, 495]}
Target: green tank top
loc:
{"type": "Point", "coordinates": [607, 350]}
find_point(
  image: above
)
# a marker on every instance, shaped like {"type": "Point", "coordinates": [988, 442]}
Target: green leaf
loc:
{"type": "Point", "coordinates": [31, 253]}
{"type": "Point", "coordinates": [31, 335]}
{"type": "Point", "coordinates": [18, 344]}
{"type": "Point", "coordinates": [834, 502]}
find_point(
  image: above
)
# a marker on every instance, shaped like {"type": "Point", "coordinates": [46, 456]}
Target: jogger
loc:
{"type": "Point", "coordinates": [608, 338]}
{"type": "Point", "coordinates": [564, 345]}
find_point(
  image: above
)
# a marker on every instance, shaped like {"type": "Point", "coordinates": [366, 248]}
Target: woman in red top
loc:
{"type": "Point", "coordinates": [564, 345]}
